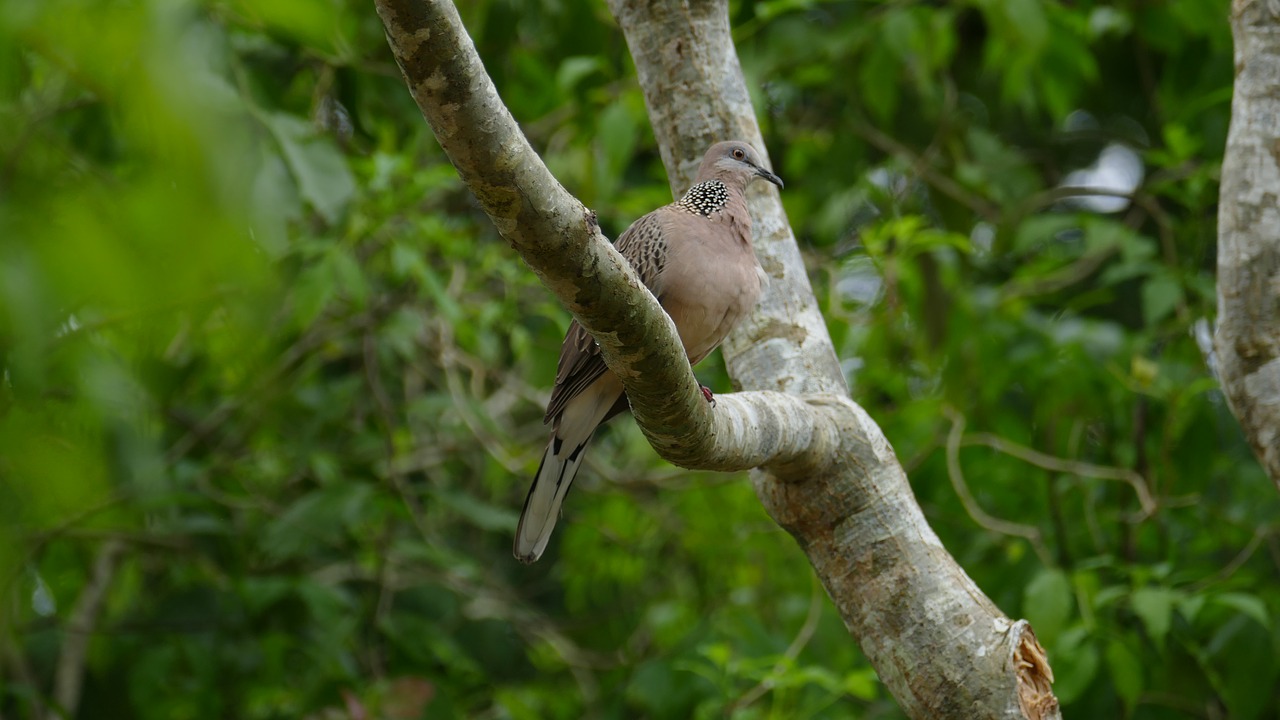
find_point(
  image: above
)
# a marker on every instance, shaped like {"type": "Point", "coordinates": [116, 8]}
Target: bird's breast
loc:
{"type": "Point", "coordinates": [711, 285]}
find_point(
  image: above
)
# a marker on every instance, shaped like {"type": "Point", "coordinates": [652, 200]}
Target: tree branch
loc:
{"type": "Point", "coordinates": [560, 240]}
{"type": "Point", "coordinates": [943, 649]}
{"type": "Point", "coordinates": [1075, 467]}
{"type": "Point", "coordinates": [1248, 334]}
{"type": "Point", "coordinates": [69, 677]}
{"type": "Point", "coordinates": [994, 524]}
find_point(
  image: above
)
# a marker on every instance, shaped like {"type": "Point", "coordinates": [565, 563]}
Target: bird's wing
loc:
{"type": "Point", "coordinates": [645, 247]}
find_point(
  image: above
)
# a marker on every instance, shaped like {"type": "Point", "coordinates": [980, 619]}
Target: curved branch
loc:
{"type": "Point", "coordinates": [1248, 335]}
{"type": "Point", "coordinates": [696, 95]}
{"type": "Point", "coordinates": [561, 241]}
{"type": "Point", "coordinates": [943, 649]}
{"type": "Point", "coordinates": [1075, 467]}
{"type": "Point", "coordinates": [971, 506]}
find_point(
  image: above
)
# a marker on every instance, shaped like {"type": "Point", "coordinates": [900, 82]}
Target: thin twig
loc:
{"type": "Point", "coordinates": [106, 322]}
{"type": "Point", "coordinates": [979, 205]}
{"type": "Point", "coordinates": [271, 378]}
{"type": "Point", "coordinates": [980, 516]}
{"type": "Point", "coordinates": [69, 676]}
{"type": "Point", "coordinates": [798, 644]}
{"type": "Point", "coordinates": [386, 414]}
{"type": "Point", "coordinates": [168, 542]}
{"type": "Point", "coordinates": [1075, 467]}
{"type": "Point", "coordinates": [1062, 279]}
{"type": "Point", "coordinates": [44, 537]}
{"type": "Point", "coordinates": [449, 361]}
{"type": "Point", "coordinates": [1236, 563]}
{"type": "Point", "coordinates": [1061, 193]}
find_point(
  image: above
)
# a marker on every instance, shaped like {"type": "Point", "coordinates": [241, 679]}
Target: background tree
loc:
{"type": "Point", "coordinates": [1248, 336]}
{"type": "Point", "coordinates": [272, 387]}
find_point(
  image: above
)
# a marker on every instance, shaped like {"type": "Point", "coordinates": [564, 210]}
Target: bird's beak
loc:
{"type": "Point", "coordinates": [770, 177]}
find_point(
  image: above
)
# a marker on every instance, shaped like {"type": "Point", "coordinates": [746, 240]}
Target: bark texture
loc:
{"type": "Point", "coordinates": [560, 240]}
{"type": "Point", "coordinates": [695, 94]}
{"type": "Point", "coordinates": [832, 480]}
{"type": "Point", "coordinates": [940, 645]}
{"type": "Point", "coordinates": [1248, 334]}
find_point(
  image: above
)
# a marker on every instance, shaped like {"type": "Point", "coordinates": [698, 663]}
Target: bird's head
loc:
{"type": "Point", "coordinates": [734, 163]}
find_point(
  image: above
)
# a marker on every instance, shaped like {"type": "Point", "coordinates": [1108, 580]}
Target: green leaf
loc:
{"type": "Point", "coordinates": [312, 290]}
{"type": "Point", "coordinates": [444, 302]}
{"type": "Point", "coordinates": [1047, 603]}
{"type": "Point", "coordinates": [1160, 295]}
{"type": "Point", "coordinates": [275, 205]}
{"type": "Point", "coordinates": [312, 21]}
{"type": "Point", "coordinates": [1027, 22]}
{"type": "Point", "coordinates": [670, 623]}
{"type": "Point", "coordinates": [1190, 605]}
{"type": "Point", "coordinates": [321, 171]}
{"type": "Point", "coordinates": [659, 689]}
{"type": "Point", "coordinates": [618, 132]}
{"type": "Point", "coordinates": [1241, 664]}
{"type": "Point", "coordinates": [807, 675]}
{"type": "Point", "coordinates": [878, 78]}
{"type": "Point", "coordinates": [718, 653]}
{"type": "Point", "coordinates": [1126, 673]}
{"type": "Point", "coordinates": [1180, 144]}
{"type": "Point", "coordinates": [348, 276]}
{"type": "Point", "coordinates": [1104, 234]}
{"type": "Point", "coordinates": [493, 518]}
{"type": "Point", "coordinates": [315, 520]}
{"type": "Point", "coordinates": [1154, 606]}
{"type": "Point", "coordinates": [260, 593]}
{"type": "Point", "coordinates": [574, 69]}
{"type": "Point", "coordinates": [1039, 230]}
{"type": "Point", "coordinates": [1249, 605]}
{"type": "Point", "coordinates": [902, 35]}
{"type": "Point", "coordinates": [407, 262]}
{"type": "Point", "coordinates": [941, 36]}
{"type": "Point", "coordinates": [1075, 663]}
{"type": "Point", "coordinates": [773, 8]}
{"type": "Point", "coordinates": [864, 684]}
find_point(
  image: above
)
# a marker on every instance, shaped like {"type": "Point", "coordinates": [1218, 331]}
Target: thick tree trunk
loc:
{"type": "Point", "coordinates": [831, 479]}
{"type": "Point", "coordinates": [1248, 335]}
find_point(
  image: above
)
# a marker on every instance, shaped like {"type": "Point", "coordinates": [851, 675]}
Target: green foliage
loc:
{"type": "Point", "coordinates": [254, 332]}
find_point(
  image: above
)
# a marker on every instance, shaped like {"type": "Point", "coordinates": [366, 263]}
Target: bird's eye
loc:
{"type": "Point", "coordinates": [738, 154]}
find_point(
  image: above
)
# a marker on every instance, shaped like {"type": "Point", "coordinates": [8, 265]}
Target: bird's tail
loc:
{"type": "Point", "coordinates": [560, 463]}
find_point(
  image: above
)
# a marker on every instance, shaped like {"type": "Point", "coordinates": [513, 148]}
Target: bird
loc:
{"type": "Point", "coordinates": [695, 255]}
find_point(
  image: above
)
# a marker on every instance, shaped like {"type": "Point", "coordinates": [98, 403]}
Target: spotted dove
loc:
{"type": "Point", "coordinates": [695, 256]}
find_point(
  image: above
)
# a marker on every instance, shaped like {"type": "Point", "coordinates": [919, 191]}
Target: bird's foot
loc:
{"type": "Point", "coordinates": [706, 393]}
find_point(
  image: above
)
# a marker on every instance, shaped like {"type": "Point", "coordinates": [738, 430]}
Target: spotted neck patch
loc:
{"type": "Point", "coordinates": [705, 198]}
